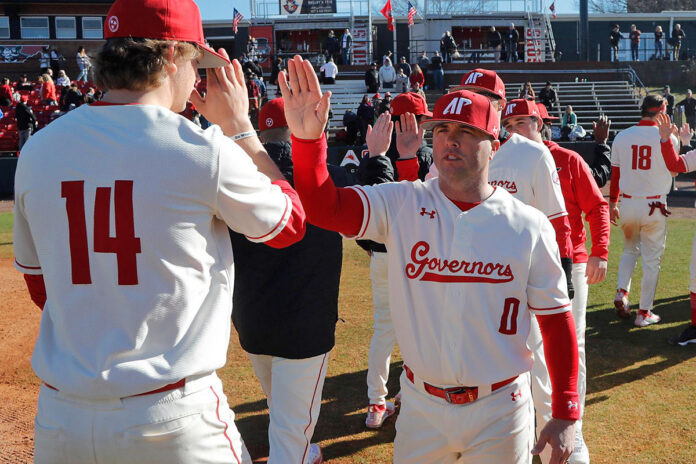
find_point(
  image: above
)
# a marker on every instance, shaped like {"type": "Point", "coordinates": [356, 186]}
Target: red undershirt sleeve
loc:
{"type": "Point", "coordinates": [673, 161]}
{"type": "Point", "coordinates": [294, 228]}
{"type": "Point", "coordinates": [328, 207]}
{"type": "Point", "coordinates": [408, 168]}
{"type": "Point", "coordinates": [561, 351]}
{"type": "Point", "coordinates": [37, 289]}
{"type": "Point", "coordinates": [562, 227]}
{"type": "Point", "coordinates": [614, 187]}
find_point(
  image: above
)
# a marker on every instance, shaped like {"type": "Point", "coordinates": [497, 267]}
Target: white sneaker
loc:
{"type": "Point", "coordinates": [621, 304]}
{"type": "Point", "coordinates": [315, 456]}
{"type": "Point", "coordinates": [644, 320]}
{"type": "Point", "coordinates": [377, 414]}
{"type": "Point", "coordinates": [580, 455]}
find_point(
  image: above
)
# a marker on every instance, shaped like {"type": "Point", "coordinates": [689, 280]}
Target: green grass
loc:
{"type": "Point", "coordinates": [6, 221]}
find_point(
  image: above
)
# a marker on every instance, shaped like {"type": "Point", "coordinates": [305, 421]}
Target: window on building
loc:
{"type": "Point", "coordinates": [34, 27]}
{"type": "Point", "coordinates": [92, 28]}
{"type": "Point", "coordinates": [65, 28]}
{"type": "Point", "coordinates": [4, 27]}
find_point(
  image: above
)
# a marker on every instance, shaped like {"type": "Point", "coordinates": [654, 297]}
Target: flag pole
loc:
{"type": "Point", "coordinates": [370, 55]}
{"type": "Point", "coordinates": [396, 54]}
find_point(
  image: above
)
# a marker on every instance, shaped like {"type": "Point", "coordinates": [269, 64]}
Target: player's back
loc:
{"type": "Point", "coordinates": [121, 202]}
{"type": "Point", "coordinates": [636, 151]}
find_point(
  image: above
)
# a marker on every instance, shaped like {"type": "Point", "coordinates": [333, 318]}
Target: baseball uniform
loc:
{"type": "Point", "coordinates": [127, 223]}
{"type": "Point", "coordinates": [640, 175]}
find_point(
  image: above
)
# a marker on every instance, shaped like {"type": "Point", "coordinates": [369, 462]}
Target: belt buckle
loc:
{"type": "Point", "coordinates": [459, 391]}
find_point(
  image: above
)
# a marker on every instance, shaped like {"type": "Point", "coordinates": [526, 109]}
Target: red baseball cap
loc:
{"type": "Point", "coordinates": [466, 108]}
{"type": "Point", "coordinates": [543, 112]}
{"type": "Point", "coordinates": [409, 102]}
{"type": "Point", "coordinates": [482, 80]}
{"type": "Point", "coordinates": [376, 96]}
{"type": "Point", "coordinates": [272, 115]}
{"type": "Point", "coordinates": [177, 20]}
{"type": "Point", "coordinates": [520, 107]}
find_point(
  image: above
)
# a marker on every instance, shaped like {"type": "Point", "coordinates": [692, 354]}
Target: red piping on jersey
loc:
{"type": "Point", "coordinates": [362, 194]}
{"type": "Point", "coordinates": [217, 411]}
{"type": "Point", "coordinates": [26, 267]}
{"type": "Point", "coordinates": [646, 122]}
{"type": "Point", "coordinates": [652, 197]}
{"type": "Point", "coordinates": [323, 361]}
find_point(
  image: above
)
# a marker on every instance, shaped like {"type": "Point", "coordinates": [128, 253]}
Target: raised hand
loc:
{"type": "Point", "coordinates": [409, 136]}
{"type": "Point", "coordinates": [600, 129]}
{"type": "Point", "coordinates": [227, 101]}
{"type": "Point", "coordinates": [664, 124]}
{"type": "Point", "coordinates": [306, 108]}
{"type": "Point", "coordinates": [685, 134]}
{"type": "Point", "coordinates": [378, 138]}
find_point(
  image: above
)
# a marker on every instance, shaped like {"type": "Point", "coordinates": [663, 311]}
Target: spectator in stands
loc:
{"type": "Point", "coordinates": [63, 79]}
{"type": "Point", "coordinates": [424, 63]}
{"type": "Point", "coordinates": [437, 71]}
{"type": "Point", "coordinates": [352, 125]}
{"type": "Point", "coordinates": [6, 93]}
{"type": "Point", "coordinates": [372, 78]}
{"type": "Point", "coordinates": [403, 64]}
{"type": "Point", "coordinates": [526, 91]}
{"type": "Point", "coordinates": [677, 36]}
{"type": "Point", "coordinates": [71, 98]}
{"type": "Point", "coordinates": [689, 104]}
{"type": "Point", "coordinates": [495, 43]}
{"type": "Point", "coordinates": [251, 48]}
{"type": "Point", "coordinates": [254, 93]}
{"type": "Point", "coordinates": [366, 116]}
{"type": "Point", "coordinates": [84, 64]}
{"type": "Point", "coordinates": [48, 90]}
{"type": "Point", "coordinates": [89, 97]}
{"type": "Point", "coordinates": [333, 46]}
{"type": "Point", "coordinates": [56, 58]}
{"type": "Point", "coordinates": [570, 120]}
{"type": "Point", "coordinates": [512, 38]}
{"type": "Point", "coordinates": [24, 84]}
{"type": "Point", "coordinates": [387, 74]}
{"type": "Point", "coordinates": [253, 66]}
{"type": "Point", "coordinates": [386, 55]}
{"type": "Point", "coordinates": [262, 89]}
{"type": "Point", "coordinates": [658, 43]}
{"type": "Point", "coordinates": [385, 104]}
{"type": "Point", "coordinates": [634, 35]}
{"type": "Point", "coordinates": [547, 96]}
{"type": "Point", "coordinates": [447, 46]}
{"type": "Point", "coordinates": [277, 67]}
{"type": "Point", "coordinates": [417, 77]}
{"type": "Point", "coordinates": [329, 71]}
{"type": "Point", "coordinates": [346, 47]}
{"type": "Point", "coordinates": [45, 60]}
{"type": "Point", "coordinates": [614, 38]}
{"type": "Point", "coordinates": [26, 121]}
{"type": "Point", "coordinates": [419, 90]}
{"type": "Point", "coordinates": [402, 83]}
{"type": "Point", "coordinates": [670, 101]}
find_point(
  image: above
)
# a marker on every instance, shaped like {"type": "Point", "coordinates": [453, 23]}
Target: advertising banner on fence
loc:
{"type": "Point", "coordinates": [360, 43]}
{"type": "Point", "coordinates": [298, 7]}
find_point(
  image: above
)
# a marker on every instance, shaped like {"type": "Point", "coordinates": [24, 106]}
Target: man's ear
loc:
{"type": "Point", "coordinates": [495, 145]}
{"type": "Point", "coordinates": [170, 56]}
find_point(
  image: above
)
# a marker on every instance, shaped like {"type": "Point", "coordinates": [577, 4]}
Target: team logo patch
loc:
{"type": "Point", "coordinates": [433, 269]}
{"type": "Point", "coordinates": [508, 185]}
{"type": "Point", "coordinates": [510, 108]}
{"type": "Point", "coordinates": [473, 77]}
{"type": "Point", "coordinates": [113, 23]}
{"type": "Point", "coordinates": [269, 122]}
{"type": "Point", "coordinates": [290, 6]}
{"type": "Point", "coordinates": [431, 214]}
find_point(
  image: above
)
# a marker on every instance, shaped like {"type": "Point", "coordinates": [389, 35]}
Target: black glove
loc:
{"type": "Point", "coordinates": [567, 265]}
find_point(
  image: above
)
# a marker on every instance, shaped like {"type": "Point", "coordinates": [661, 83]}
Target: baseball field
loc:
{"type": "Point", "coordinates": [640, 389]}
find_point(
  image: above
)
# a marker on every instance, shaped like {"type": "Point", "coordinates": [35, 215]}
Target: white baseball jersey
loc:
{"type": "Point", "coordinates": [636, 152]}
{"type": "Point", "coordinates": [527, 171]}
{"type": "Point", "coordinates": [461, 283]}
{"type": "Point", "coordinates": [124, 210]}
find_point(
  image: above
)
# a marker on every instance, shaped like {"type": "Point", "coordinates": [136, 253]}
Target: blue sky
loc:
{"type": "Point", "coordinates": [222, 9]}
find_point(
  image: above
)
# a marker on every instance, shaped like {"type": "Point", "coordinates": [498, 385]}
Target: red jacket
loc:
{"type": "Point", "coordinates": [581, 194]}
{"type": "Point", "coordinates": [417, 77]}
{"type": "Point", "coordinates": [48, 91]}
{"type": "Point", "coordinates": [6, 91]}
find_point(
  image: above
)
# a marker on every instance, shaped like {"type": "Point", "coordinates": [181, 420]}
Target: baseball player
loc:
{"type": "Point", "coordinates": [465, 262]}
{"type": "Point", "coordinates": [581, 195]}
{"type": "Point", "coordinates": [683, 163]}
{"type": "Point", "coordinates": [288, 329]}
{"type": "Point", "coordinates": [124, 232]}
{"type": "Point", "coordinates": [640, 176]}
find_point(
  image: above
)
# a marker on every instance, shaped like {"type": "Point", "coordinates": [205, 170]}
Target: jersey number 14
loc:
{"type": "Point", "coordinates": [124, 244]}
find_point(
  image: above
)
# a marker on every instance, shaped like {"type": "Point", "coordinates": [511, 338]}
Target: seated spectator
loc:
{"type": "Point", "coordinates": [372, 78]}
{"type": "Point", "coordinates": [419, 90]}
{"type": "Point", "coordinates": [88, 97]}
{"type": "Point", "coordinates": [24, 84]}
{"type": "Point", "coordinates": [417, 77]}
{"type": "Point", "coordinates": [527, 92]}
{"type": "Point", "coordinates": [6, 93]}
{"type": "Point", "coordinates": [568, 123]}
{"type": "Point", "coordinates": [329, 71]}
{"type": "Point", "coordinates": [547, 96]}
{"type": "Point", "coordinates": [48, 90]}
{"type": "Point", "coordinates": [403, 64]}
{"type": "Point", "coordinates": [387, 74]}
{"type": "Point", "coordinates": [401, 81]}
{"type": "Point", "coordinates": [385, 104]}
{"type": "Point", "coordinates": [352, 124]}
{"type": "Point", "coordinates": [63, 79]}
{"type": "Point", "coordinates": [71, 98]}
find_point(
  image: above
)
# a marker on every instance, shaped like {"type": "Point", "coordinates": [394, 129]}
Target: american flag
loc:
{"type": "Point", "coordinates": [235, 21]}
{"type": "Point", "coordinates": [411, 13]}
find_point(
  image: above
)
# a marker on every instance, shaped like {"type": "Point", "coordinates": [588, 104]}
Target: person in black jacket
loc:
{"type": "Point", "coordinates": [26, 121]}
{"type": "Point", "coordinates": [378, 170]}
{"type": "Point", "coordinates": [677, 37]}
{"type": "Point", "coordinates": [689, 104]}
{"type": "Point", "coordinates": [286, 308]}
{"type": "Point", "coordinates": [495, 41]}
{"type": "Point", "coordinates": [372, 78]}
{"type": "Point", "coordinates": [670, 101]}
{"type": "Point", "coordinates": [512, 39]}
{"type": "Point", "coordinates": [614, 38]}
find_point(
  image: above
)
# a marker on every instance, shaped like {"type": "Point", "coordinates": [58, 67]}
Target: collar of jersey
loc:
{"type": "Point", "coordinates": [645, 122]}
{"type": "Point", "coordinates": [103, 103]}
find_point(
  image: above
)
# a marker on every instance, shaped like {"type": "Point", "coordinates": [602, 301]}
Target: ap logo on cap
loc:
{"type": "Point", "coordinates": [510, 108]}
{"type": "Point", "coordinates": [456, 105]}
{"type": "Point", "coordinates": [113, 23]}
{"type": "Point", "coordinates": [473, 77]}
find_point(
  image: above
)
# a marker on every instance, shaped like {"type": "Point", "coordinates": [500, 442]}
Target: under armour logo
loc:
{"type": "Point", "coordinates": [429, 213]}
{"type": "Point", "coordinates": [473, 77]}
{"type": "Point", "coordinates": [572, 405]}
{"type": "Point", "coordinates": [516, 395]}
{"type": "Point", "coordinates": [113, 23]}
{"type": "Point", "coordinates": [495, 131]}
{"type": "Point", "coordinates": [456, 105]}
{"type": "Point", "coordinates": [510, 108]}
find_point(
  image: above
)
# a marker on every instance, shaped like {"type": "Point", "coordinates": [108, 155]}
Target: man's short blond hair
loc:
{"type": "Point", "coordinates": [137, 64]}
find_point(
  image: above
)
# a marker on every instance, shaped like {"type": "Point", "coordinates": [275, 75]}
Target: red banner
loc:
{"type": "Point", "coordinates": [387, 13]}
{"type": "Point", "coordinates": [264, 45]}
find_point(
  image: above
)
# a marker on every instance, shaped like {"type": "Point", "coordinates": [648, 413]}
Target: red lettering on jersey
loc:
{"type": "Point", "coordinates": [421, 267]}
{"type": "Point", "coordinates": [510, 186]}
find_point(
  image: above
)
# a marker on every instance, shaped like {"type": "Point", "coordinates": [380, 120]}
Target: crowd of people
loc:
{"type": "Point", "coordinates": [659, 50]}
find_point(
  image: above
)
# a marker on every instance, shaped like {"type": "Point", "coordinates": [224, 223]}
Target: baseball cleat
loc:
{"type": "Point", "coordinates": [621, 304]}
{"type": "Point", "coordinates": [315, 456]}
{"type": "Point", "coordinates": [646, 318]}
{"type": "Point", "coordinates": [686, 337]}
{"type": "Point", "coordinates": [378, 413]}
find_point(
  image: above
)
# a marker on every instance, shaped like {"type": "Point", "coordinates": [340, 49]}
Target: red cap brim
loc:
{"type": "Point", "coordinates": [211, 59]}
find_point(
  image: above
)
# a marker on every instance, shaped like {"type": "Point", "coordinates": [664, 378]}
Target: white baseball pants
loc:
{"type": "Point", "coordinates": [541, 382]}
{"type": "Point", "coordinates": [293, 390]}
{"type": "Point", "coordinates": [644, 235]}
{"type": "Point", "coordinates": [491, 430]}
{"type": "Point", "coordinates": [383, 337]}
{"type": "Point", "coordinates": [190, 424]}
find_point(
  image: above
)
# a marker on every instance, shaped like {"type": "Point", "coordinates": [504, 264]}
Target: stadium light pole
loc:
{"type": "Point", "coordinates": [584, 32]}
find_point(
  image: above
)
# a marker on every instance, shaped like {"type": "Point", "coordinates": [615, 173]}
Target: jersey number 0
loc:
{"type": "Point", "coordinates": [124, 244]}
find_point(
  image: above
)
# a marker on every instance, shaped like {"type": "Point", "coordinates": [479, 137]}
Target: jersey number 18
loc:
{"type": "Point", "coordinates": [641, 157]}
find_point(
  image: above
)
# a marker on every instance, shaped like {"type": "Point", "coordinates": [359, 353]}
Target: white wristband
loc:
{"type": "Point", "coordinates": [244, 135]}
